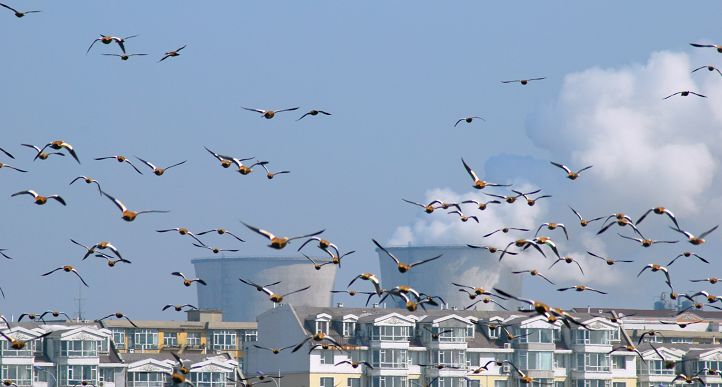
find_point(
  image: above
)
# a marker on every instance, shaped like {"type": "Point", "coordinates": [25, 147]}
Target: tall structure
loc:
{"type": "Point", "coordinates": [240, 302]}
{"type": "Point", "coordinates": [459, 264]}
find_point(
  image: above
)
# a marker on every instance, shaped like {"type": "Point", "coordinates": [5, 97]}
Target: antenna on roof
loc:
{"type": "Point", "coordinates": [80, 300]}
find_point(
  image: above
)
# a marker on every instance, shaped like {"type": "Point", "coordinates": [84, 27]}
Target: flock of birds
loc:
{"type": "Point", "coordinates": [331, 254]}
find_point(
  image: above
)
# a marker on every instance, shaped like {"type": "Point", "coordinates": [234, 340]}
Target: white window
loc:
{"type": "Point", "coordinates": [322, 326]}
{"type": "Point", "coordinates": [474, 383]}
{"type": "Point", "coordinates": [327, 357]}
{"type": "Point", "coordinates": [389, 358]}
{"type": "Point", "coordinates": [72, 375]}
{"type": "Point", "coordinates": [107, 375]}
{"type": "Point", "coordinates": [146, 339]}
{"type": "Point", "coordinates": [208, 379]}
{"type": "Point", "coordinates": [619, 363]}
{"type": "Point", "coordinates": [193, 339]}
{"type": "Point", "coordinates": [619, 384]}
{"type": "Point", "coordinates": [224, 340]}
{"type": "Point", "coordinates": [79, 348]}
{"type": "Point", "coordinates": [170, 339]}
{"type": "Point", "coordinates": [353, 382]}
{"type": "Point", "coordinates": [250, 335]}
{"type": "Point", "coordinates": [593, 362]}
{"type": "Point", "coordinates": [349, 327]}
{"type": "Point", "coordinates": [25, 352]}
{"type": "Point", "coordinates": [390, 333]}
{"type": "Point", "coordinates": [500, 383]}
{"type": "Point", "coordinates": [533, 360]}
{"type": "Point", "coordinates": [494, 332]}
{"type": "Point", "coordinates": [326, 382]}
{"type": "Point", "coordinates": [449, 357]}
{"type": "Point", "coordinates": [146, 379]}
{"type": "Point", "coordinates": [118, 338]}
{"type": "Point", "coordinates": [593, 383]}
{"type": "Point", "coordinates": [388, 381]}
{"type": "Point", "coordinates": [22, 375]}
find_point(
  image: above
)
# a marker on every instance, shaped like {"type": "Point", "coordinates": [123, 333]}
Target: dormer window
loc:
{"type": "Point", "coordinates": [494, 331]}
{"type": "Point", "coordinates": [322, 326]}
{"type": "Point", "coordinates": [349, 328]}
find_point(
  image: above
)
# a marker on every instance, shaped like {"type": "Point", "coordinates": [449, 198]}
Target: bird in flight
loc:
{"type": "Point", "coordinates": [170, 54]}
{"type": "Point", "coordinates": [158, 171]}
{"type": "Point", "coordinates": [401, 266]}
{"type": "Point", "coordinates": [685, 93]}
{"type": "Point", "coordinates": [130, 215]}
{"type": "Point", "coordinates": [478, 183]}
{"type": "Point", "coordinates": [67, 269]}
{"type": "Point", "coordinates": [39, 199]}
{"type": "Point", "coordinates": [268, 114]}
{"type": "Point", "coordinates": [124, 56]}
{"type": "Point", "coordinates": [524, 81]}
{"type": "Point", "coordinates": [18, 14]}
{"type": "Point", "coordinates": [58, 145]}
{"type": "Point", "coordinates": [571, 175]}
{"type": "Point", "coordinates": [107, 39]}
{"type": "Point", "coordinates": [312, 113]}
{"type": "Point", "coordinates": [468, 120]}
{"type": "Point", "coordinates": [120, 159]}
{"type": "Point", "coordinates": [709, 68]}
{"type": "Point", "coordinates": [279, 242]}
{"type": "Point", "coordinates": [715, 46]}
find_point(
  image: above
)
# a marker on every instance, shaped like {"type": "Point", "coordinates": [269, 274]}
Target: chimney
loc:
{"type": "Point", "coordinates": [376, 305]}
{"type": "Point", "coordinates": [339, 305]}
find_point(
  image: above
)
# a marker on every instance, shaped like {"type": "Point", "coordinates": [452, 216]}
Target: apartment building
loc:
{"type": "Point", "coordinates": [408, 349]}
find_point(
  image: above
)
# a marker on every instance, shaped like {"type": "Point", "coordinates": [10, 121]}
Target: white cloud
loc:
{"type": "Point", "coordinates": [646, 152]}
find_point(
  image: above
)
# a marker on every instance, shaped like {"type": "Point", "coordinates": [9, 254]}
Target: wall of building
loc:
{"type": "Point", "coordinates": [240, 302]}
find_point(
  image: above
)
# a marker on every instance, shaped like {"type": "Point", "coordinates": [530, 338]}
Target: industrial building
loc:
{"type": "Point", "coordinates": [460, 264]}
{"type": "Point", "coordinates": [241, 302]}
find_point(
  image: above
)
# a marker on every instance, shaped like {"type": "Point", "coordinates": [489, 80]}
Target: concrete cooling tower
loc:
{"type": "Point", "coordinates": [241, 302]}
{"type": "Point", "coordinates": [460, 264]}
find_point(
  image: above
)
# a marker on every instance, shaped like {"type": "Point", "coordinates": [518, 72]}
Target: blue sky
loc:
{"type": "Point", "coordinates": [395, 75]}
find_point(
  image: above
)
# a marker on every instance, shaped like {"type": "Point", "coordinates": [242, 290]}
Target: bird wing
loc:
{"type": "Point", "coordinates": [457, 122]}
{"type": "Point", "coordinates": [27, 192]}
{"type": "Point", "coordinates": [704, 234]}
{"type": "Point", "coordinates": [307, 235]}
{"type": "Point", "coordinates": [297, 291]}
{"type": "Point", "coordinates": [576, 213]}
{"type": "Point", "coordinates": [426, 260]}
{"type": "Point", "coordinates": [701, 45]}
{"type": "Point", "coordinates": [698, 68]}
{"type": "Point", "coordinates": [260, 231]}
{"type": "Point", "coordinates": [146, 163]}
{"type": "Point", "coordinates": [133, 165]}
{"type": "Point", "coordinates": [91, 46]}
{"type": "Point", "coordinates": [59, 199]}
{"type": "Point", "coordinates": [6, 153]}
{"type": "Point", "coordinates": [117, 202]}
{"type": "Point", "coordinates": [562, 166]}
{"type": "Point", "coordinates": [51, 272]}
{"type": "Point", "coordinates": [672, 95]}
{"type": "Point", "coordinates": [396, 260]}
{"type": "Point", "coordinates": [254, 110]}
{"type": "Point", "coordinates": [470, 171]}
{"type": "Point", "coordinates": [177, 164]}
{"type": "Point", "coordinates": [287, 110]}
{"type": "Point", "coordinates": [184, 46]}
{"type": "Point", "coordinates": [81, 278]}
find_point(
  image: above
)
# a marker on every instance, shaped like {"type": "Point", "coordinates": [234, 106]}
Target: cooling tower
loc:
{"type": "Point", "coordinates": [241, 302]}
{"type": "Point", "coordinates": [459, 264]}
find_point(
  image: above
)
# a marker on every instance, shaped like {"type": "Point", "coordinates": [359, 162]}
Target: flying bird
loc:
{"type": "Point", "coordinates": [401, 266]}
{"type": "Point", "coordinates": [568, 259]}
{"type": "Point", "coordinates": [67, 269]}
{"type": "Point", "coordinates": [88, 180]}
{"type": "Point", "coordinates": [468, 120]}
{"type": "Point", "coordinates": [609, 261]}
{"type": "Point", "coordinates": [492, 249]}
{"type": "Point", "coordinates": [533, 273]}
{"type": "Point", "coordinates": [505, 230]}
{"type": "Point", "coordinates": [581, 288]}
{"type": "Point", "coordinates": [107, 39]}
{"type": "Point", "coordinates": [124, 56]}
{"type": "Point", "coordinates": [715, 46]}
{"type": "Point", "coordinates": [478, 183]}
{"type": "Point", "coordinates": [215, 250]}
{"type": "Point", "coordinates": [531, 201]}
{"type": "Point", "coordinates": [270, 175]}
{"type": "Point", "coordinates": [40, 154]}
{"type": "Point", "coordinates": [274, 351]}
{"type": "Point", "coordinates": [571, 175]}
{"type": "Point", "coordinates": [273, 296]}
{"type": "Point", "coordinates": [465, 218]}
{"type": "Point", "coordinates": [58, 145]}
{"type": "Point", "coordinates": [695, 240]}
{"type": "Point", "coordinates": [553, 226]}
{"type": "Point", "coordinates": [243, 169]}
{"type": "Point", "coordinates": [644, 241]}
{"type": "Point", "coordinates": [658, 211]}
{"type": "Point", "coordinates": [481, 205]}
{"type": "Point", "coordinates": [310, 113]}
{"type": "Point", "coordinates": [221, 231]}
{"type": "Point", "coordinates": [371, 278]}
{"type": "Point", "coordinates": [268, 114]}
{"type": "Point", "coordinates": [224, 160]}
{"type": "Point", "coordinates": [684, 94]}
{"type": "Point", "coordinates": [188, 281]}
{"type": "Point", "coordinates": [179, 308]}
{"type": "Point", "coordinates": [130, 215]}
{"type": "Point", "coordinates": [158, 171]}
{"type": "Point", "coordinates": [279, 243]}
{"type": "Point", "coordinates": [118, 315]}
{"type": "Point", "coordinates": [315, 264]}
{"type": "Point", "coordinates": [183, 231]}
{"type": "Point", "coordinates": [709, 68]}
{"type": "Point", "coordinates": [687, 254]}
{"type": "Point", "coordinates": [655, 268]}
{"type": "Point", "coordinates": [112, 261]}
{"type": "Point", "coordinates": [524, 81]}
{"type": "Point", "coordinates": [3, 165]}
{"type": "Point", "coordinates": [428, 208]}
{"type": "Point", "coordinates": [120, 159]}
{"type": "Point", "coordinates": [2, 252]}
{"type": "Point", "coordinates": [18, 14]}
{"type": "Point", "coordinates": [170, 54]}
{"type": "Point", "coordinates": [39, 199]}
{"type": "Point", "coordinates": [523, 243]}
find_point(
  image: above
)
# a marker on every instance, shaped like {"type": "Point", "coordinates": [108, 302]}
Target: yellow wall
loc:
{"type": "Point", "coordinates": [631, 382]}
{"type": "Point", "coordinates": [340, 380]}
{"type": "Point", "coordinates": [488, 380]}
